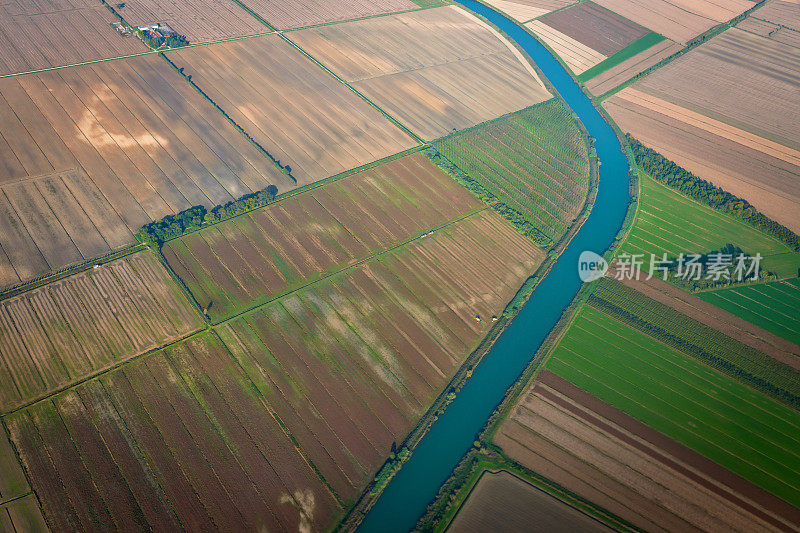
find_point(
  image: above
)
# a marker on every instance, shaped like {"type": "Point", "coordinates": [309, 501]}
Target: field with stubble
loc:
{"type": "Point", "coordinates": [72, 328]}
{"type": "Point", "coordinates": [296, 111]}
{"type": "Point", "coordinates": [435, 70]}
{"type": "Point", "coordinates": [287, 14]}
{"type": "Point", "coordinates": [251, 259]}
{"type": "Point", "coordinates": [39, 35]}
{"type": "Point", "coordinates": [90, 154]}
{"type": "Point", "coordinates": [706, 112]}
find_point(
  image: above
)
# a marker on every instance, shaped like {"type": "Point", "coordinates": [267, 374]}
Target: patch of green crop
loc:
{"type": "Point", "coordinates": [626, 53]}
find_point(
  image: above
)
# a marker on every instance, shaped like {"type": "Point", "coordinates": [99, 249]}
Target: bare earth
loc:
{"type": "Point", "coordinates": [434, 70]}
{"type": "Point", "coordinates": [500, 501]}
{"type": "Point", "coordinates": [609, 458]}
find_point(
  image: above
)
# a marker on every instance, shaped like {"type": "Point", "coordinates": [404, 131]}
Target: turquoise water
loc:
{"type": "Point", "coordinates": [408, 494]}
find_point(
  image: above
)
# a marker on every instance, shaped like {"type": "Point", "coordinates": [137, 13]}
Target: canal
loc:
{"type": "Point", "coordinates": [408, 494]}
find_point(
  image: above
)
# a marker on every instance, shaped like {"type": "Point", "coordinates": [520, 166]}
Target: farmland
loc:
{"type": "Point", "coordinates": [621, 67]}
{"type": "Point", "coordinates": [89, 154]}
{"type": "Point", "coordinates": [69, 329]}
{"type": "Point", "coordinates": [596, 27]}
{"type": "Point", "coordinates": [297, 404]}
{"type": "Point", "coordinates": [577, 56]}
{"type": "Point", "coordinates": [534, 162]}
{"type": "Point", "coordinates": [371, 348]}
{"type": "Point", "coordinates": [300, 13]}
{"type": "Point", "coordinates": [158, 444]}
{"type": "Point", "coordinates": [37, 35]}
{"type": "Point", "coordinates": [772, 306]}
{"type": "Point", "coordinates": [434, 70]}
{"type": "Point", "coordinates": [197, 20]}
{"type": "Point", "coordinates": [724, 420]}
{"type": "Point", "coordinates": [248, 260]}
{"type": "Point", "coordinates": [502, 500]}
{"type": "Point", "coordinates": [679, 21]}
{"type": "Point", "coordinates": [292, 108]}
{"type": "Point", "coordinates": [598, 452]}
{"type": "Point", "coordinates": [668, 222]}
{"type": "Point", "coordinates": [525, 10]}
{"type": "Point", "coordinates": [705, 111]}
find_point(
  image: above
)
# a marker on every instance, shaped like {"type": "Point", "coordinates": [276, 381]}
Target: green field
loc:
{"type": "Point", "coordinates": [668, 222]}
{"type": "Point", "coordinates": [703, 343]}
{"type": "Point", "coordinates": [772, 306]}
{"type": "Point", "coordinates": [730, 423]}
{"type": "Point", "coordinates": [628, 52]}
{"type": "Point", "coordinates": [534, 163]}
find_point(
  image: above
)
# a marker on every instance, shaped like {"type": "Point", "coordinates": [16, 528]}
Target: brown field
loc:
{"type": "Point", "coordinates": [525, 10]}
{"type": "Point", "coordinates": [774, 32]}
{"type": "Point", "coordinates": [37, 35]}
{"type": "Point", "coordinates": [578, 56]}
{"type": "Point", "coordinates": [598, 28]}
{"type": "Point", "coordinates": [500, 501]}
{"type": "Point", "coordinates": [785, 13]}
{"type": "Point", "coordinates": [291, 107]}
{"type": "Point", "coordinates": [286, 14]}
{"type": "Point", "coordinates": [603, 455]}
{"type": "Point", "coordinates": [249, 260]}
{"type": "Point", "coordinates": [158, 444]}
{"type": "Point", "coordinates": [91, 153]}
{"type": "Point", "coordinates": [70, 329]}
{"type": "Point", "coordinates": [351, 363]}
{"type": "Point", "coordinates": [282, 422]}
{"type": "Point", "coordinates": [734, 327]}
{"type": "Point", "coordinates": [724, 79]}
{"type": "Point", "coordinates": [679, 20]}
{"type": "Point", "coordinates": [197, 20]}
{"type": "Point", "coordinates": [619, 74]}
{"type": "Point", "coordinates": [435, 70]}
{"type": "Point", "coordinates": [708, 112]}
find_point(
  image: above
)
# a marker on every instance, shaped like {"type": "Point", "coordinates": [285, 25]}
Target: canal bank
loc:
{"type": "Point", "coordinates": [407, 495]}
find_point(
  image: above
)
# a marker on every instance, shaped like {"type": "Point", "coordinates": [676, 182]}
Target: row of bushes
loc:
{"type": "Point", "coordinates": [171, 226]}
{"type": "Point", "coordinates": [516, 218]}
{"type": "Point", "coordinates": [665, 171]}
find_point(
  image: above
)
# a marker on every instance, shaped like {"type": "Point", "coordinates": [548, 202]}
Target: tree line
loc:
{"type": "Point", "coordinates": [156, 233]}
{"type": "Point", "coordinates": [665, 171]}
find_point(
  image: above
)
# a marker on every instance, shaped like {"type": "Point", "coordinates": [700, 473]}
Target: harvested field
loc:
{"type": "Point", "coordinates": [618, 74]}
{"type": "Point", "coordinates": [578, 56]}
{"type": "Point", "coordinates": [159, 444]}
{"type": "Point", "coordinates": [500, 501]}
{"type": "Point", "coordinates": [351, 363]}
{"type": "Point", "coordinates": [22, 515]}
{"type": "Point", "coordinates": [292, 108]}
{"type": "Point", "coordinates": [771, 31]}
{"type": "Point", "coordinates": [728, 422]}
{"type": "Point", "coordinates": [772, 306]}
{"type": "Point", "coordinates": [92, 153]}
{"type": "Point", "coordinates": [596, 27]}
{"type": "Point", "coordinates": [525, 10]}
{"type": "Point", "coordinates": [72, 328]}
{"type": "Point", "coordinates": [248, 260]}
{"type": "Point", "coordinates": [37, 35]}
{"type": "Point", "coordinates": [197, 20]}
{"type": "Point", "coordinates": [535, 162]}
{"type": "Point", "coordinates": [782, 12]}
{"type": "Point", "coordinates": [722, 78]}
{"type": "Point", "coordinates": [286, 14]}
{"type": "Point", "coordinates": [435, 70]}
{"type": "Point", "coordinates": [679, 20]}
{"type": "Point", "coordinates": [750, 165]}
{"type": "Point", "coordinates": [668, 222]}
{"type": "Point", "coordinates": [643, 476]}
